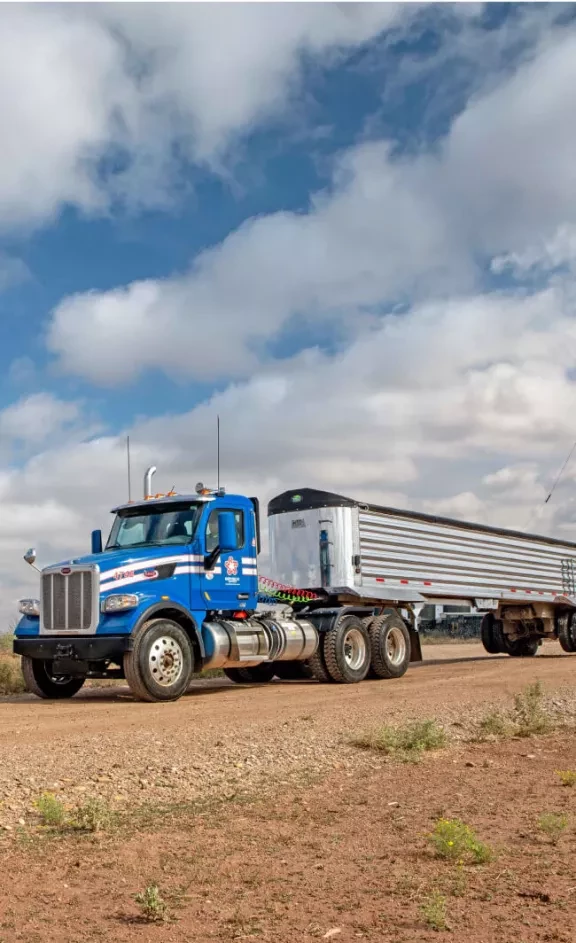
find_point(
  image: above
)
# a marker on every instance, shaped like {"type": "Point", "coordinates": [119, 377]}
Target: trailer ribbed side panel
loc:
{"type": "Point", "coordinates": [441, 559]}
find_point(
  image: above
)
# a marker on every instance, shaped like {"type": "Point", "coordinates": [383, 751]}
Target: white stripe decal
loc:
{"type": "Point", "coordinates": [148, 564]}
{"type": "Point", "coordinates": [251, 561]}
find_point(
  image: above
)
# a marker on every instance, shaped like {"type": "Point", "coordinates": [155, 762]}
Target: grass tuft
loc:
{"type": "Point", "coordinates": [567, 776]}
{"type": "Point", "coordinates": [528, 717]}
{"type": "Point", "coordinates": [407, 742]}
{"type": "Point", "coordinates": [434, 911]}
{"type": "Point", "coordinates": [51, 810]}
{"type": "Point", "coordinates": [95, 815]}
{"type": "Point", "coordinates": [553, 824]}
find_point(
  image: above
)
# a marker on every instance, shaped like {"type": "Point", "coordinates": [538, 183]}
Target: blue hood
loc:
{"type": "Point", "coordinates": [121, 558]}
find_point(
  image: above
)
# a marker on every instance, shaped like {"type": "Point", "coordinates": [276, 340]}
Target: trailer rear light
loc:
{"type": "Point", "coordinates": [29, 607]}
{"type": "Point", "coordinates": [118, 602]}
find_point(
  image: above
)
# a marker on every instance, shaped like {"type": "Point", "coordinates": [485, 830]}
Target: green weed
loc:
{"type": "Point", "coordinates": [567, 776]}
{"type": "Point", "coordinates": [152, 903]}
{"type": "Point", "coordinates": [453, 839]}
{"type": "Point", "coordinates": [95, 815]}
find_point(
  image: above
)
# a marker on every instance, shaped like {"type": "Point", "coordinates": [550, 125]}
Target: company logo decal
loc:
{"type": "Point", "coordinates": [231, 566]}
{"type": "Point", "coordinates": [123, 574]}
{"type": "Point", "coordinates": [65, 570]}
{"type": "Point", "coordinates": [150, 574]}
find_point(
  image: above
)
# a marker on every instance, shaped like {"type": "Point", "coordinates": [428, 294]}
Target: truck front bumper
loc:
{"type": "Point", "coordinates": [85, 649]}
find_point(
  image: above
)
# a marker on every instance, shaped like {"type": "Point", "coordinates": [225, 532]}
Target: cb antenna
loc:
{"type": "Point", "coordinates": [129, 474]}
{"type": "Point", "coordinates": [218, 451]}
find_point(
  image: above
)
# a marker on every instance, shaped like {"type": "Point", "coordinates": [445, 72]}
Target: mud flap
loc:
{"type": "Point", "coordinates": [415, 645]}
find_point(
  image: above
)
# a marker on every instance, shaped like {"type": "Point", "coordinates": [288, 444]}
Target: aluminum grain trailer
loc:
{"type": "Point", "coordinates": [345, 549]}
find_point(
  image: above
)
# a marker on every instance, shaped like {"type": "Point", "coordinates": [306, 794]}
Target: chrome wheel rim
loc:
{"type": "Point", "coordinates": [395, 646]}
{"type": "Point", "coordinates": [354, 649]}
{"type": "Point", "coordinates": [166, 660]}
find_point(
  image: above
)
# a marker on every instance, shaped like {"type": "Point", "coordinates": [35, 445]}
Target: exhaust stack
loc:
{"type": "Point", "coordinates": [148, 481]}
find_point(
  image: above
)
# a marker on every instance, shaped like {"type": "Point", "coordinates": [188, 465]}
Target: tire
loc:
{"type": "Point", "coordinates": [522, 647]}
{"type": "Point", "coordinates": [317, 666]}
{"type": "Point", "coordinates": [390, 646]}
{"type": "Point", "coordinates": [161, 662]}
{"type": "Point", "coordinates": [257, 674]}
{"type": "Point", "coordinates": [346, 650]}
{"type": "Point", "coordinates": [490, 637]}
{"type": "Point", "coordinates": [292, 671]}
{"type": "Point", "coordinates": [567, 632]}
{"type": "Point", "coordinates": [40, 681]}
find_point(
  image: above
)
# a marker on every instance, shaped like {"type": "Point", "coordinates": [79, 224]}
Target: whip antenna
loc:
{"type": "Point", "coordinates": [218, 451]}
{"type": "Point", "coordinates": [129, 475]}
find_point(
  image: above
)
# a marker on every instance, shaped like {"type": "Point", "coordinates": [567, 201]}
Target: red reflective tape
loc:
{"type": "Point", "coordinates": [380, 579]}
{"type": "Point", "coordinates": [512, 590]}
{"type": "Point", "coordinates": [403, 581]}
{"type": "Point", "coordinates": [427, 583]}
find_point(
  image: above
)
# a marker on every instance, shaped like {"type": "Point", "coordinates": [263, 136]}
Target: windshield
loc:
{"type": "Point", "coordinates": [154, 526]}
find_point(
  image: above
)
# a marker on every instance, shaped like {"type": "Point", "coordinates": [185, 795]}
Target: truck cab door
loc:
{"type": "Point", "coordinates": [232, 582]}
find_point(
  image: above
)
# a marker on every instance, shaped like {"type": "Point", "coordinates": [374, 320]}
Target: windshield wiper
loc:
{"type": "Point", "coordinates": [139, 543]}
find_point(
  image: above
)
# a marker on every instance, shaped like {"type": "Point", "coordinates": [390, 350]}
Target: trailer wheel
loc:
{"type": "Point", "coordinates": [522, 647]}
{"type": "Point", "coordinates": [390, 646]}
{"type": "Point", "coordinates": [41, 681]}
{"type": "Point", "coordinates": [293, 670]}
{"type": "Point", "coordinates": [346, 650]}
{"type": "Point", "coordinates": [567, 632]}
{"type": "Point", "coordinates": [257, 674]}
{"type": "Point", "coordinates": [491, 634]}
{"type": "Point", "coordinates": [161, 662]}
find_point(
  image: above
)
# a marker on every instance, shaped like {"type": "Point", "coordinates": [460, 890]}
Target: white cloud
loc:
{"type": "Point", "coordinates": [80, 83]}
{"type": "Point", "coordinates": [37, 417]}
{"type": "Point", "coordinates": [388, 230]}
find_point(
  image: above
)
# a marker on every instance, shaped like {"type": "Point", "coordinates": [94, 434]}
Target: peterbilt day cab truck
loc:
{"type": "Point", "coordinates": [176, 590]}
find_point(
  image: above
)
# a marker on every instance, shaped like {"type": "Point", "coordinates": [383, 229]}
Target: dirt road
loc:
{"type": "Point", "coordinates": [225, 738]}
{"type": "Point", "coordinates": [318, 839]}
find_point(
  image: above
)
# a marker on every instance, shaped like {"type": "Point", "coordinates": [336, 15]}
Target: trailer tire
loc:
{"type": "Point", "coordinates": [40, 681]}
{"type": "Point", "coordinates": [390, 646]}
{"type": "Point", "coordinates": [522, 647]}
{"type": "Point", "coordinates": [293, 670]}
{"type": "Point", "coordinates": [491, 634]}
{"type": "Point", "coordinates": [346, 650]}
{"type": "Point", "coordinates": [161, 662]}
{"type": "Point", "coordinates": [567, 632]}
{"type": "Point", "coordinates": [256, 674]}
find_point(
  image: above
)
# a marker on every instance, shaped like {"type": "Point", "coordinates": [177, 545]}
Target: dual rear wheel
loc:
{"type": "Point", "coordinates": [496, 642]}
{"type": "Point", "coordinates": [378, 647]}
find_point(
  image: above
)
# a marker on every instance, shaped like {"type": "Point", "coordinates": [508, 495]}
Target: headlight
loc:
{"type": "Point", "coordinates": [29, 607]}
{"type": "Point", "coordinates": [119, 602]}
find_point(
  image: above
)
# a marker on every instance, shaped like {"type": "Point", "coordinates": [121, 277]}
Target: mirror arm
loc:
{"type": "Point", "coordinates": [210, 560]}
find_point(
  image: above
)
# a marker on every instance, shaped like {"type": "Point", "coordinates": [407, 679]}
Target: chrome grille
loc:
{"type": "Point", "coordinates": [68, 600]}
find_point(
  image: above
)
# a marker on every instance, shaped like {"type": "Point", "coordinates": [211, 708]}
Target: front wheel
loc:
{"type": "Point", "coordinates": [40, 679]}
{"type": "Point", "coordinates": [161, 662]}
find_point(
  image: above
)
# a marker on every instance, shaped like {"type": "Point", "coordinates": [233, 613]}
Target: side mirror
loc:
{"type": "Point", "coordinates": [227, 537]}
{"type": "Point", "coordinates": [30, 556]}
{"type": "Point", "coordinates": [96, 538]}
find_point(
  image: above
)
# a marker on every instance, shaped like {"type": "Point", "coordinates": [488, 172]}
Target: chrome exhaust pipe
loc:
{"type": "Point", "coordinates": [148, 481]}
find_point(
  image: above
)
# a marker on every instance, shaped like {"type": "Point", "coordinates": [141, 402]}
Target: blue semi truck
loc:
{"type": "Point", "coordinates": [175, 591]}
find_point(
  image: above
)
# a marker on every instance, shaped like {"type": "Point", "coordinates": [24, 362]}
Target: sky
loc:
{"type": "Point", "coordinates": [349, 230]}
